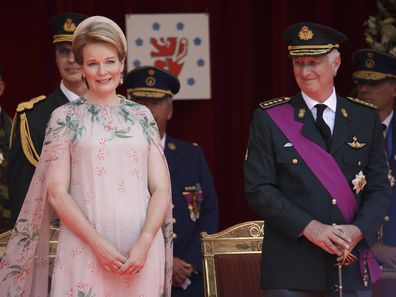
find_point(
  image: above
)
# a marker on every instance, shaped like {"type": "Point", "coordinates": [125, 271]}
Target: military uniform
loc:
{"type": "Point", "coordinates": [285, 186]}
{"type": "Point", "coordinates": [26, 144]}
{"type": "Point", "coordinates": [193, 193]}
{"type": "Point", "coordinates": [190, 176]}
{"type": "Point", "coordinates": [5, 131]}
{"type": "Point", "coordinates": [286, 194]}
{"type": "Point", "coordinates": [374, 67]}
{"type": "Point", "coordinates": [30, 123]}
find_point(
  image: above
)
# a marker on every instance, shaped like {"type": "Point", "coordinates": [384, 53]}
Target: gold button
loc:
{"type": "Point", "coordinates": [174, 235]}
{"type": "Point", "coordinates": [294, 161]}
{"type": "Point", "coordinates": [386, 218]}
{"type": "Point", "coordinates": [334, 202]}
{"type": "Point", "coordinates": [174, 221]}
{"type": "Point", "coordinates": [359, 163]}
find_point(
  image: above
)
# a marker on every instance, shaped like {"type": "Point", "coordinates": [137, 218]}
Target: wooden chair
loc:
{"type": "Point", "coordinates": [54, 232]}
{"type": "Point", "coordinates": [231, 260]}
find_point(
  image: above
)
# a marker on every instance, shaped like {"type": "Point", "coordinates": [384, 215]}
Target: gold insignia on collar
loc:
{"type": "Point", "coordinates": [305, 33]}
{"type": "Point", "coordinates": [301, 113]}
{"type": "Point", "coordinates": [171, 146]}
{"type": "Point", "coordinates": [356, 144]}
{"type": "Point", "coordinates": [69, 26]}
{"type": "Point", "coordinates": [344, 112]}
{"type": "Point", "coordinates": [151, 72]}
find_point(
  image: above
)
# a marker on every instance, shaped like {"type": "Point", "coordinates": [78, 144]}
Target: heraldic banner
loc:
{"type": "Point", "coordinates": [178, 43]}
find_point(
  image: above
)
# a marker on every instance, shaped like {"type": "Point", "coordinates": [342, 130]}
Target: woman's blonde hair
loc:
{"type": "Point", "coordinates": [98, 29]}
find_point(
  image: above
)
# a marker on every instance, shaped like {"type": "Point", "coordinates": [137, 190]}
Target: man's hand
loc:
{"type": "Point", "coordinates": [385, 253]}
{"type": "Point", "coordinates": [327, 237]}
{"type": "Point", "coordinates": [181, 271]}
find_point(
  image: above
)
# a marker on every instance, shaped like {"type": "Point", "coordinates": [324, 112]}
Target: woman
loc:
{"type": "Point", "coordinates": [105, 175]}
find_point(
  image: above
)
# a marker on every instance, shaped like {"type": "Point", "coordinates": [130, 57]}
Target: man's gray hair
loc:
{"type": "Point", "coordinates": [334, 54]}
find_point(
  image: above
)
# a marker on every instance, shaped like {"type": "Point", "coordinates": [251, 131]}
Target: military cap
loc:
{"type": "Point", "coordinates": [310, 39]}
{"type": "Point", "coordinates": [373, 65]}
{"type": "Point", "coordinates": [151, 82]}
{"type": "Point", "coordinates": [64, 26]}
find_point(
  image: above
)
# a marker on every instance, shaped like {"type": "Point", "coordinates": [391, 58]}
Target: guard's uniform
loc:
{"type": "Point", "coordinates": [287, 195]}
{"type": "Point", "coordinates": [374, 67]}
{"type": "Point", "coordinates": [5, 131]}
{"type": "Point", "coordinates": [195, 207]}
{"type": "Point", "coordinates": [26, 143]}
{"type": "Point", "coordinates": [31, 120]}
{"type": "Point", "coordinates": [193, 192]}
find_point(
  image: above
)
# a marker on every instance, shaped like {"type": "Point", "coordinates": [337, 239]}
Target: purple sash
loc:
{"type": "Point", "coordinates": [324, 167]}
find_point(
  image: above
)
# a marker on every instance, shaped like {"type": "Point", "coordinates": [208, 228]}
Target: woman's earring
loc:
{"type": "Point", "coordinates": [85, 82]}
{"type": "Point", "coordinates": [121, 79]}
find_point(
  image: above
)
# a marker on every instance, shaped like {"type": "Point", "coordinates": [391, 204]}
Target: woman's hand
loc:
{"type": "Point", "coordinates": [108, 255]}
{"type": "Point", "coordinates": [137, 256]}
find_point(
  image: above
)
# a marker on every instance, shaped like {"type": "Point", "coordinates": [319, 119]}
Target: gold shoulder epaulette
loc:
{"type": "Point", "coordinates": [29, 104]}
{"type": "Point", "coordinates": [274, 102]}
{"type": "Point", "coordinates": [356, 100]}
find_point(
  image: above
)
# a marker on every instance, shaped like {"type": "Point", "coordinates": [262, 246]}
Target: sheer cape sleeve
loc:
{"type": "Point", "coordinates": [24, 269]}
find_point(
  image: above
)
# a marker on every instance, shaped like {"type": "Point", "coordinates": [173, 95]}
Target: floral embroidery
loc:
{"type": "Point", "coordinates": [76, 251]}
{"type": "Point", "coordinates": [133, 155]}
{"type": "Point", "coordinates": [69, 127]}
{"type": "Point", "coordinates": [102, 154]}
{"type": "Point", "coordinates": [136, 172]}
{"type": "Point", "coordinates": [121, 185]}
{"type": "Point", "coordinates": [125, 282]}
{"type": "Point", "coordinates": [70, 293]}
{"type": "Point", "coordinates": [89, 196]}
{"type": "Point", "coordinates": [100, 171]}
{"type": "Point", "coordinates": [359, 182]}
{"type": "Point", "coordinates": [93, 267]}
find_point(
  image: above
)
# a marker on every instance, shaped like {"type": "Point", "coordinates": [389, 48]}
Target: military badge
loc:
{"type": "Point", "coordinates": [69, 26]}
{"type": "Point", "coordinates": [301, 113]}
{"type": "Point", "coordinates": [359, 182]}
{"type": "Point", "coordinates": [344, 112]}
{"type": "Point", "coordinates": [193, 196]}
{"type": "Point", "coordinates": [391, 178]}
{"type": "Point", "coordinates": [356, 144]}
{"type": "Point", "coordinates": [305, 33]}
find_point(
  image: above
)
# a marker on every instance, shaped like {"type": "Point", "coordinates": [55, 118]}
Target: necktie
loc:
{"type": "Point", "coordinates": [385, 138]}
{"type": "Point", "coordinates": [321, 124]}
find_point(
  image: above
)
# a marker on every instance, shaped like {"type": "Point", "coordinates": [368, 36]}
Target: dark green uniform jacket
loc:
{"type": "Point", "coordinates": [286, 194]}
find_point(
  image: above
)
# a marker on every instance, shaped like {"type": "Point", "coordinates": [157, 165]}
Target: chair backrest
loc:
{"type": "Point", "coordinates": [4, 237]}
{"type": "Point", "coordinates": [53, 243]}
{"type": "Point", "coordinates": [231, 260]}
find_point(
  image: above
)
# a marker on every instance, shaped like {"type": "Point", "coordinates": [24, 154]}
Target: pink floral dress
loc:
{"type": "Point", "coordinates": [109, 148]}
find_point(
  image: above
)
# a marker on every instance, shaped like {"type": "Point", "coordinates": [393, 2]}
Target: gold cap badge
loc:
{"type": "Point", "coordinates": [305, 33]}
{"type": "Point", "coordinates": [150, 81]}
{"type": "Point", "coordinates": [69, 26]}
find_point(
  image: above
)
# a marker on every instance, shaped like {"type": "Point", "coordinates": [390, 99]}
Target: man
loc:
{"type": "Point", "coordinates": [32, 116]}
{"type": "Point", "coordinates": [315, 171]}
{"type": "Point", "coordinates": [375, 79]}
{"type": "Point", "coordinates": [5, 130]}
{"type": "Point", "coordinates": [193, 193]}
